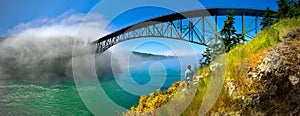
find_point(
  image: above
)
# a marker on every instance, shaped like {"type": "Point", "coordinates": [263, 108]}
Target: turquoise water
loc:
{"type": "Point", "coordinates": [19, 98]}
{"type": "Point", "coordinates": [25, 98]}
{"type": "Point", "coordinates": [126, 99]}
{"type": "Point", "coordinates": [62, 97]}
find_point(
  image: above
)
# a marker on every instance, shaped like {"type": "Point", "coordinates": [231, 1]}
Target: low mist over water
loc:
{"type": "Point", "coordinates": [36, 59]}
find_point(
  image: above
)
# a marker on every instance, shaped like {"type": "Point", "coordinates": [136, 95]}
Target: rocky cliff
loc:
{"type": "Point", "coordinates": [279, 76]}
{"type": "Point", "coordinates": [270, 87]}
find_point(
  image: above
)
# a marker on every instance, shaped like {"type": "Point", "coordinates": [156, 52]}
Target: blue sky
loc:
{"type": "Point", "coordinates": [13, 12]}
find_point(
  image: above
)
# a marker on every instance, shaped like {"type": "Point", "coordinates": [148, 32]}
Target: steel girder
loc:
{"type": "Point", "coordinates": [197, 26]}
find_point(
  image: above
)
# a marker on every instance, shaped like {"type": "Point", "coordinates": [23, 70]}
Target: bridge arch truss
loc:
{"type": "Point", "coordinates": [197, 26]}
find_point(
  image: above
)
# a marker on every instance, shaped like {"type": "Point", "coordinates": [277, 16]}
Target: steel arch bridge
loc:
{"type": "Point", "coordinates": [197, 26]}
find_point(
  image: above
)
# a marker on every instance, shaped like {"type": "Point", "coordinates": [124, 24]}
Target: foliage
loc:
{"type": "Point", "coordinates": [288, 8]}
{"type": "Point", "coordinates": [155, 100]}
{"type": "Point", "coordinates": [148, 104]}
{"type": "Point", "coordinates": [236, 58]}
{"type": "Point", "coordinates": [229, 39]}
{"type": "Point", "coordinates": [238, 55]}
{"type": "Point", "coordinates": [267, 19]}
{"type": "Point", "coordinates": [265, 39]}
{"type": "Point", "coordinates": [206, 57]}
{"type": "Point", "coordinates": [296, 9]}
{"type": "Point", "coordinates": [284, 10]}
{"type": "Point", "coordinates": [228, 33]}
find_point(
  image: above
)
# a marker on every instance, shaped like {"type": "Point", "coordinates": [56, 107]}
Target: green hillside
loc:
{"type": "Point", "coordinates": [239, 61]}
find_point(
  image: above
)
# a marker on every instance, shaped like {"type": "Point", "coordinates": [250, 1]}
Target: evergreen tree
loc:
{"type": "Point", "coordinates": [288, 8]}
{"type": "Point", "coordinates": [296, 8]}
{"type": "Point", "coordinates": [267, 20]}
{"type": "Point", "coordinates": [240, 38]}
{"type": "Point", "coordinates": [206, 57]}
{"type": "Point", "coordinates": [285, 10]}
{"type": "Point", "coordinates": [229, 39]}
{"type": "Point", "coordinates": [228, 33]}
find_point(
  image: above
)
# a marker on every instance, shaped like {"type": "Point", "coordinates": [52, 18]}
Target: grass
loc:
{"type": "Point", "coordinates": [236, 58]}
{"type": "Point", "coordinates": [193, 108]}
{"type": "Point", "coordinates": [248, 55]}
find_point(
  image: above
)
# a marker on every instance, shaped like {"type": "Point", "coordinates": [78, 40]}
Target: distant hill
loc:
{"type": "Point", "coordinates": [150, 55]}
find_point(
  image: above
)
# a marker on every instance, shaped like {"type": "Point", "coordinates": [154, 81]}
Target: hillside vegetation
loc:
{"type": "Point", "coordinates": [245, 89]}
{"type": "Point", "coordinates": [241, 88]}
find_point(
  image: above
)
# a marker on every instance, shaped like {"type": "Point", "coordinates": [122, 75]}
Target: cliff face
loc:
{"type": "Point", "coordinates": [271, 87]}
{"type": "Point", "coordinates": [277, 80]}
{"type": "Point", "coordinates": [279, 76]}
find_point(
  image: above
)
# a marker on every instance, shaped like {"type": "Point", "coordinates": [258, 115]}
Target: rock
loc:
{"type": "Point", "coordinates": [231, 87]}
{"type": "Point", "coordinates": [293, 34]}
{"type": "Point", "coordinates": [264, 67]}
{"type": "Point", "coordinates": [279, 76]}
{"type": "Point", "coordinates": [294, 80]}
{"type": "Point", "coordinates": [253, 75]}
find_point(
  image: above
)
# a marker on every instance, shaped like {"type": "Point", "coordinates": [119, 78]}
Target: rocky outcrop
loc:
{"type": "Point", "coordinates": [279, 76]}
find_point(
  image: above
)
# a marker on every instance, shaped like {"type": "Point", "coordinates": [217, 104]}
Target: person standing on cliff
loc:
{"type": "Point", "coordinates": [188, 76]}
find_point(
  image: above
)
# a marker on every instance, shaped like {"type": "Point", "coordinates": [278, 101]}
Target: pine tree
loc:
{"type": "Point", "coordinates": [295, 8]}
{"type": "Point", "coordinates": [228, 30]}
{"type": "Point", "coordinates": [267, 20]}
{"type": "Point", "coordinates": [229, 38]}
{"type": "Point", "coordinates": [285, 10]}
{"type": "Point", "coordinates": [228, 33]}
{"type": "Point", "coordinates": [206, 57]}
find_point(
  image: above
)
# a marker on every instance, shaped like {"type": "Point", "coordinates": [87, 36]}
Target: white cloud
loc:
{"type": "Point", "coordinates": [67, 24]}
{"type": "Point", "coordinates": [41, 50]}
